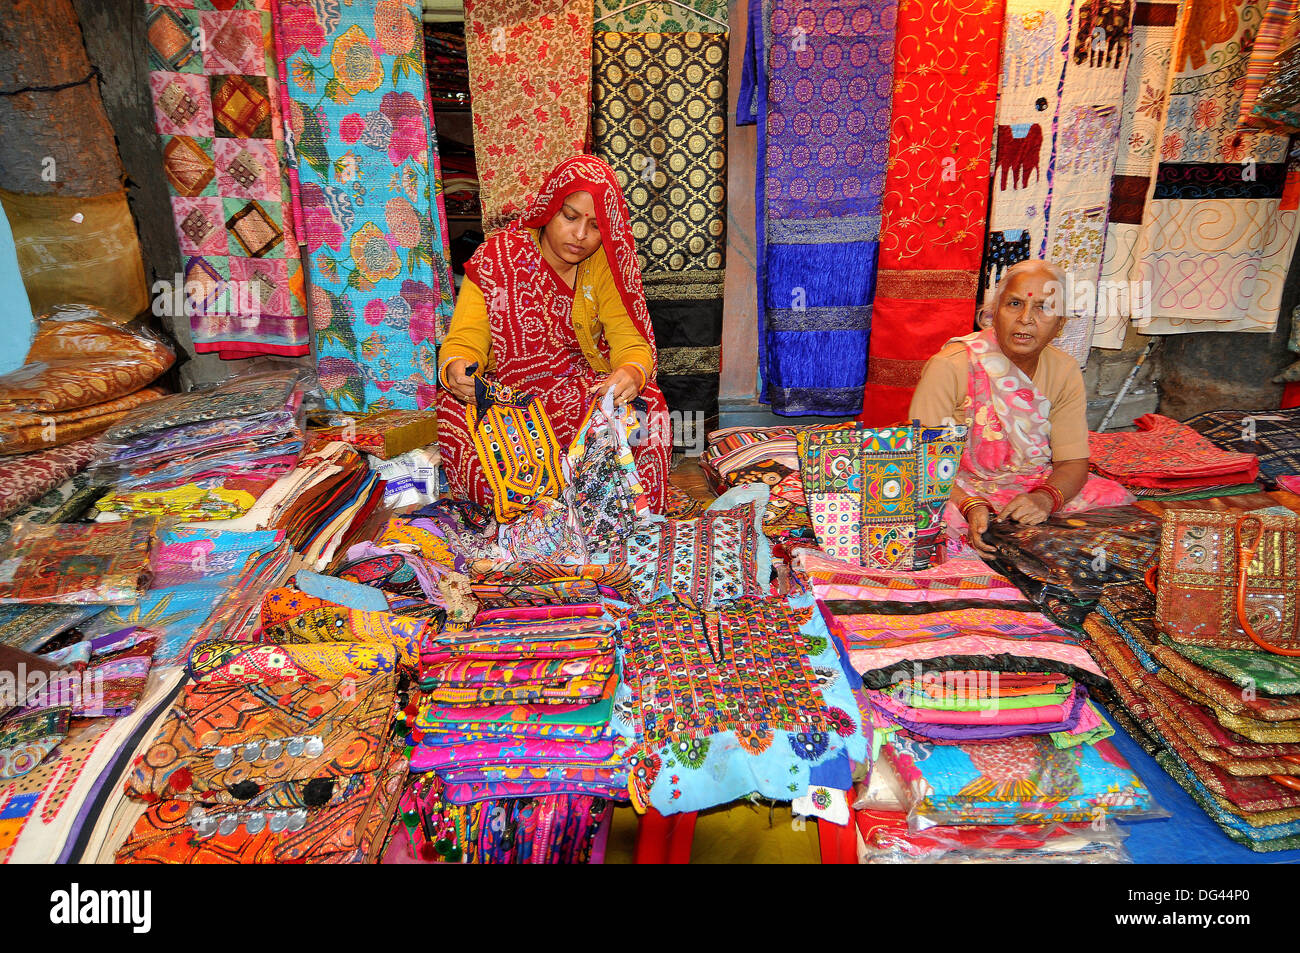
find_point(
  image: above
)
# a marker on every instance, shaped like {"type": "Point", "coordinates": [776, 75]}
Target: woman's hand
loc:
{"type": "Point", "coordinates": [978, 521]}
{"type": "Point", "coordinates": [458, 382]}
{"type": "Point", "coordinates": [1028, 509]}
{"type": "Point", "coordinates": [622, 382]}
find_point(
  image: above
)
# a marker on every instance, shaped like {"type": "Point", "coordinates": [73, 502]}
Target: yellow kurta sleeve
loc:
{"type": "Point", "coordinates": [626, 345]}
{"type": "Point", "coordinates": [470, 336]}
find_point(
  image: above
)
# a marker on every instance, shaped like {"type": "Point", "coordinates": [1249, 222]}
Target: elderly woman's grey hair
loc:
{"type": "Point", "coordinates": [993, 296]}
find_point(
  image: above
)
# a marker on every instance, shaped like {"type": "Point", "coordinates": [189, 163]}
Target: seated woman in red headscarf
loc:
{"type": "Point", "coordinates": [552, 306]}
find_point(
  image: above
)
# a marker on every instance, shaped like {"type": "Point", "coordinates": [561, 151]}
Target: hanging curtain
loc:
{"type": "Point", "coordinates": [1033, 66]}
{"type": "Point", "coordinates": [1142, 121]}
{"type": "Point", "coordinates": [359, 115]}
{"type": "Point", "coordinates": [936, 194]}
{"type": "Point", "coordinates": [661, 16]}
{"type": "Point", "coordinates": [1087, 142]}
{"type": "Point", "coordinates": [660, 118]}
{"type": "Point", "coordinates": [1221, 226]}
{"type": "Point", "coordinates": [530, 90]}
{"type": "Point", "coordinates": [1059, 114]}
{"type": "Point", "coordinates": [217, 113]}
{"type": "Point", "coordinates": [818, 79]}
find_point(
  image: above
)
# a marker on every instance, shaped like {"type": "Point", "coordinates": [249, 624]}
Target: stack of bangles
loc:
{"type": "Point", "coordinates": [970, 503]}
{"type": "Point", "coordinates": [1058, 500]}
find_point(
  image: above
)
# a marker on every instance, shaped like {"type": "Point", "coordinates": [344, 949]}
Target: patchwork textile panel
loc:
{"type": "Point", "coordinates": [660, 119]}
{"type": "Point", "coordinates": [1156, 27]}
{"type": "Point", "coordinates": [1034, 55]}
{"type": "Point", "coordinates": [1087, 141]}
{"type": "Point", "coordinates": [516, 446]}
{"type": "Point", "coordinates": [817, 81]}
{"type": "Point", "coordinates": [876, 497]}
{"type": "Point", "coordinates": [1221, 226]}
{"type": "Point", "coordinates": [349, 829]}
{"type": "Point", "coordinates": [530, 88]}
{"type": "Point", "coordinates": [217, 113]}
{"type": "Point", "coordinates": [713, 559]}
{"type": "Point", "coordinates": [749, 698]}
{"type": "Point", "coordinates": [357, 107]}
{"type": "Point", "coordinates": [936, 194]}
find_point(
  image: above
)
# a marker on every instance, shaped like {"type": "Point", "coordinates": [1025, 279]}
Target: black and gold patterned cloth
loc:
{"type": "Point", "coordinates": [660, 103]}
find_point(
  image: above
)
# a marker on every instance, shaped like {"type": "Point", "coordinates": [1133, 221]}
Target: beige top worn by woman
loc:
{"type": "Point", "coordinates": [941, 396]}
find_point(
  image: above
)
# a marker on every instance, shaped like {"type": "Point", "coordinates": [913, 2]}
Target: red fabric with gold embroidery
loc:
{"type": "Point", "coordinates": [946, 58]}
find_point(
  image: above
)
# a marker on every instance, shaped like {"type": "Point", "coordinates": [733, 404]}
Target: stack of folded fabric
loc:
{"type": "Point", "coordinates": [1272, 435]}
{"type": "Point", "coordinates": [1225, 723]}
{"type": "Point", "coordinates": [460, 185]}
{"type": "Point", "coordinates": [322, 505]}
{"type": "Point", "coordinates": [204, 455]}
{"type": "Point", "coordinates": [1065, 563]}
{"type": "Point", "coordinates": [1167, 460]}
{"type": "Point", "coordinates": [83, 375]}
{"type": "Point", "coordinates": [519, 706]}
{"type": "Point", "coordinates": [1015, 799]}
{"type": "Point", "coordinates": [109, 678]}
{"type": "Point", "coordinates": [64, 747]}
{"type": "Point", "coordinates": [385, 434]}
{"type": "Point", "coordinates": [280, 750]}
{"type": "Point", "coordinates": [958, 616]}
{"type": "Point", "coordinates": [959, 667]}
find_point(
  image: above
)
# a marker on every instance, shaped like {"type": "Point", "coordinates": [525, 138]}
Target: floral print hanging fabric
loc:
{"type": "Point", "coordinates": [360, 122]}
{"type": "Point", "coordinates": [721, 704]}
{"type": "Point", "coordinates": [217, 114]}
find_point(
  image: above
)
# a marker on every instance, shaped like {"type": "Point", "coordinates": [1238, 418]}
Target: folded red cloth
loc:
{"type": "Point", "coordinates": [1165, 454]}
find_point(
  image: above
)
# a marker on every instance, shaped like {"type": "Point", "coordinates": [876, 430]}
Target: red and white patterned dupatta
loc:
{"type": "Point", "coordinates": [534, 345]}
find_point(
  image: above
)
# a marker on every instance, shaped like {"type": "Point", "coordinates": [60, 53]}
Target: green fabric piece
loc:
{"type": "Point", "coordinates": [1272, 674]}
{"type": "Point", "coordinates": [1209, 493]}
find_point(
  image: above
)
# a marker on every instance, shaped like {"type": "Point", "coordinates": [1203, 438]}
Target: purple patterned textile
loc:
{"type": "Point", "coordinates": [817, 80]}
